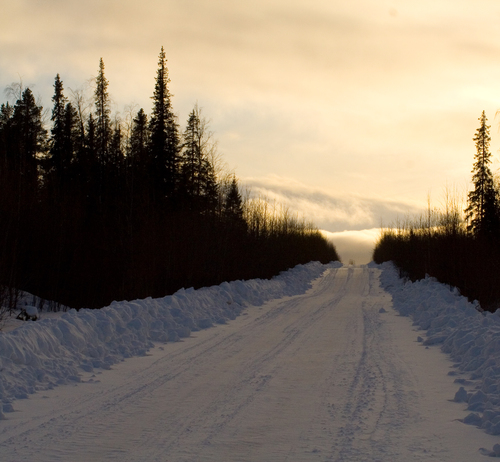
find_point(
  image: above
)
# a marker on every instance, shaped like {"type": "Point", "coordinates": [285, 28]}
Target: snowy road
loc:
{"type": "Point", "coordinates": [324, 376]}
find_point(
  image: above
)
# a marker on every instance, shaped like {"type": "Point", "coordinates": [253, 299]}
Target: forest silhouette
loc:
{"type": "Point", "coordinates": [96, 209]}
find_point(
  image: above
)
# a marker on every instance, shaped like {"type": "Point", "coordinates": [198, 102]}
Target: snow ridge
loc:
{"type": "Point", "coordinates": [469, 336]}
{"type": "Point", "coordinates": [40, 355]}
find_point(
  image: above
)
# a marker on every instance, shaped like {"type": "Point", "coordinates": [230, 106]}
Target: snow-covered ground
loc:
{"type": "Point", "coordinates": [315, 364]}
{"type": "Point", "coordinates": [470, 338]}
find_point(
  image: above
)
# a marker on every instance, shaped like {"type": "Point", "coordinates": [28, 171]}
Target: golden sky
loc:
{"type": "Point", "coordinates": [351, 112]}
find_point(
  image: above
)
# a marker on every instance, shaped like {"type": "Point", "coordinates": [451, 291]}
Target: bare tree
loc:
{"type": "Point", "coordinates": [82, 103]}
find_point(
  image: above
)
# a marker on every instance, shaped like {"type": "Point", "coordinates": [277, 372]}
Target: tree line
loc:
{"type": "Point", "coordinates": [93, 209]}
{"type": "Point", "coordinates": [459, 247]}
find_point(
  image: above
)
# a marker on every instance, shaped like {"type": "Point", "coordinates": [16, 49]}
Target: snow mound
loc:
{"type": "Point", "coordinates": [471, 338]}
{"type": "Point", "coordinates": [41, 355]}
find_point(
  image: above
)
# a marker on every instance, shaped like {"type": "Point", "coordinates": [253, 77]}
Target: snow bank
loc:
{"type": "Point", "coordinates": [469, 336]}
{"type": "Point", "coordinates": [40, 355]}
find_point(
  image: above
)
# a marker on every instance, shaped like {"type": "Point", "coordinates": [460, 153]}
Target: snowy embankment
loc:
{"type": "Point", "coordinates": [42, 354]}
{"type": "Point", "coordinates": [471, 338]}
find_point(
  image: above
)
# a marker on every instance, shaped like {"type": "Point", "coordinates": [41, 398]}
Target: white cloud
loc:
{"type": "Point", "coordinates": [331, 211]}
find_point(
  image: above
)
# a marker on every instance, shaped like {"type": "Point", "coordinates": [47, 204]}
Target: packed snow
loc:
{"type": "Point", "coordinates": [315, 364]}
{"type": "Point", "coordinates": [469, 336]}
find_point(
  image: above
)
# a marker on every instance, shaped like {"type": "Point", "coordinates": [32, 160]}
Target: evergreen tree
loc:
{"type": "Point", "coordinates": [30, 142]}
{"type": "Point", "coordinates": [233, 205]}
{"type": "Point", "coordinates": [137, 163]}
{"type": "Point", "coordinates": [164, 140]}
{"type": "Point", "coordinates": [102, 113]}
{"type": "Point", "coordinates": [56, 141]}
{"type": "Point", "coordinates": [61, 141]}
{"type": "Point", "coordinates": [139, 140]}
{"type": "Point", "coordinates": [6, 112]}
{"type": "Point", "coordinates": [198, 180]}
{"type": "Point", "coordinates": [482, 210]}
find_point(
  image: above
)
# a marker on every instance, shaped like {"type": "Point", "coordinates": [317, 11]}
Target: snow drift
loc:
{"type": "Point", "coordinates": [469, 336]}
{"type": "Point", "coordinates": [40, 355]}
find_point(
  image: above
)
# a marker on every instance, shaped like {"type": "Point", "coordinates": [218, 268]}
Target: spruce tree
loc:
{"type": "Point", "coordinates": [60, 149]}
{"type": "Point", "coordinates": [56, 140]}
{"type": "Point", "coordinates": [233, 205]}
{"type": "Point", "coordinates": [30, 141]}
{"type": "Point", "coordinates": [139, 140]}
{"type": "Point", "coordinates": [102, 113]}
{"type": "Point", "coordinates": [199, 184]}
{"type": "Point", "coordinates": [6, 111]}
{"type": "Point", "coordinates": [482, 210]}
{"type": "Point", "coordinates": [164, 140]}
{"type": "Point", "coordinates": [137, 161]}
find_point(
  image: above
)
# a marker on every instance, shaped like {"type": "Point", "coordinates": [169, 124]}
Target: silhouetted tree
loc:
{"type": "Point", "coordinates": [139, 140]}
{"type": "Point", "coordinates": [73, 142]}
{"type": "Point", "coordinates": [56, 140]}
{"type": "Point", "coordinates": [233, 206]}
{"type": "Point", "coordinates": [482, 210]}
{"type": "Point", "coordinates": [61, 142]}
{"type": "Point", "coordinates": [198, 182]}
{"type": "Point", "coordinates": [138, 160]}
{"type": "Point", "coordinates": [30, 142]}
{"type": "Point", "coordinates": [24, 139]}
{"type": "Point", "coordinates": [102, 112]}
{"type": "Point", "coordinates": [164, 138]}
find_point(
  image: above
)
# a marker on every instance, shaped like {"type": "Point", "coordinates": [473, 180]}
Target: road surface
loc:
{"type": "Point", "coordinates": [331, 375]}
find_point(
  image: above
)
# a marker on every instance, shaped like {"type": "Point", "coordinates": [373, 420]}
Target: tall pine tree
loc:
{"type": "Point", "coordinates": [102, 114]}
{"type": "Point", "coordinates": [59, 158]}
{"type": "Point", "coordinates": [482, 210]}
{"type": "Point", "coordinates": [164, 137]}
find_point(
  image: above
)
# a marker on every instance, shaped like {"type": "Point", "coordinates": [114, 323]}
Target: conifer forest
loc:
{"type": "Point", "coordinates": [95, 209]}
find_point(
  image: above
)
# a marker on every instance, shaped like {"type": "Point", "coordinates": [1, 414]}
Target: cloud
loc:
{"type": "Point", "coordinates": [330, 211]}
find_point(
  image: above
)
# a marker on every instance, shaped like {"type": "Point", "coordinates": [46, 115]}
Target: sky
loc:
{"type": "Point", "coordinates": [351, 113]}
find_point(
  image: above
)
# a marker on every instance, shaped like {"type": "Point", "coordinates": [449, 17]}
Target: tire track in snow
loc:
{"type": "Point", "coordinates": [292, 332]}
{"type": "Point", "coordinates": [378, 399]}
{"type": "Point", "coordinates": [262, 367]}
